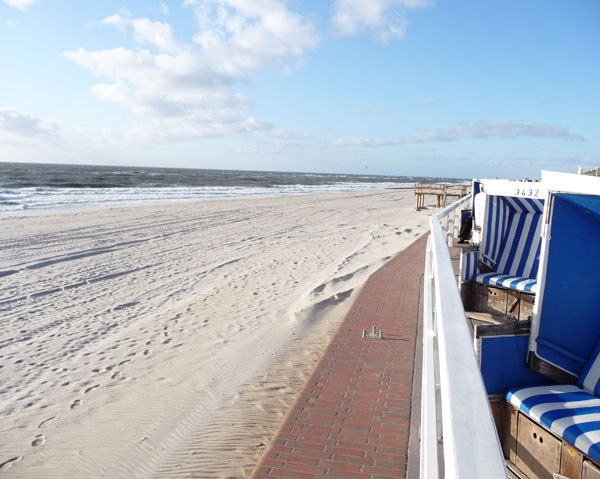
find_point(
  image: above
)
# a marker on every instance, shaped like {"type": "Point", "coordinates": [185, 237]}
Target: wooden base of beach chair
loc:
{"type": "Point", "coordinates": [534, 452]}
{"type": "Point", "coordinates": [538, 452]}
{"type": "Point", "coordinates": [497, 301]}
{"type": "Point", "coordinates": [590, 471]}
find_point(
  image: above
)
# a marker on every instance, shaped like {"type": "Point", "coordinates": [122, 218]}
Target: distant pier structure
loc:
{"type": "Point", "coordinates": [441, 191]}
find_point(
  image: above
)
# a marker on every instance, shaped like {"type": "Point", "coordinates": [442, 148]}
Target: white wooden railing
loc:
{"type": "Point", "coordinates": [458, 436]}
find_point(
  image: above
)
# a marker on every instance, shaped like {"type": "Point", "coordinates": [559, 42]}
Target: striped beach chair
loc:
{"type": "Point", "coordinates": [572, 412]}
{"type": "Point", "coordinates": [509, 252]}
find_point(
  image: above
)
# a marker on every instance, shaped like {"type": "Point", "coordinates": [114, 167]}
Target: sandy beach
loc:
{"type": "Point", "coordinates": [169, 340]}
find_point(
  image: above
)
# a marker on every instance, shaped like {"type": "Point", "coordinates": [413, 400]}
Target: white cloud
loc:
{"type": "Point", "coordinates": [146, 31]}
{"type": "Point", "coordinates": [20, 4]}
{"type": "Point", "coordinates": [482, 129]}
{"type": "Point", "coordinates": [164, 8]}
{"type": "Point", "coordinates": [591, 161]}
{"type": "Point", "coordinates": [155, 33]}
{"type": "Point", "coordinates": [387, 18]}
{"type": "Point", "coordinates": [16, 126]}
{"type": "Point", "coordinates": [362, 111]}
{"type": "Point", "coordinates": [243, 35]}
{"type": "Point", "coordinates": [166, 86]}
{"type": "Point", "coordinates": [186, 90]}
{"type": "Point", "coordinates": [368, 142]}
{"type": "Point", "coordinates": [116, 20]}
{"type": "Point", "coordinates": [212, 125]}
{"type": "Point", "coordinates": [288, 135]}
{"type": "Point", "coordinates": [488, 129]}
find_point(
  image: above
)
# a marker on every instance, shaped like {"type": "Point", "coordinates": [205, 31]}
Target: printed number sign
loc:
{"type": "Point", "coordinates": [527, 192]}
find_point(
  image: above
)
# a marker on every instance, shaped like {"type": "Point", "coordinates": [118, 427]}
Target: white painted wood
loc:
{"type": "Point", "coordinates": [457, 223]}
{"type": "Point", "coordinates": [470, 444]}
{"type": "Point", "coordinates": [569, 183]}
{"type": "Point", "coordinates": [521, 189]}
{"type": "Point", "coordinates": [541, 275]}
{"type": "Point", "coordinates": [429, 420]}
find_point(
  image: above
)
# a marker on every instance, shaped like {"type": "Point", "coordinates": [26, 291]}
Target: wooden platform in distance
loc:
{"type": "Point", "coordinates": [353, 417]}
{"type": "Point", "coordinates": [441, 191]}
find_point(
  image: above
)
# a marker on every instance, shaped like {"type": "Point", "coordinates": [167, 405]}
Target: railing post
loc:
{"type": "Point", "coordinates": [445, 225]}
{"type": "Point", "coordinates": [457, 224]}
{"type": "Point", "coordinates": [450, 232]}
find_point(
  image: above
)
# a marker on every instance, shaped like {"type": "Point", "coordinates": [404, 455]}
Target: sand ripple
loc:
{"type": "Point", "coordinates": [169, 340]}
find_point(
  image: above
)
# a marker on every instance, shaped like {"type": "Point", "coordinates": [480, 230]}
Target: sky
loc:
{"type": "Point", "coordinates": [455, 88]}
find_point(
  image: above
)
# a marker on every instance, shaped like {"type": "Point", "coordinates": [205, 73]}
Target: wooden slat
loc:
{"type": "Point", "coordinates": [489, 317]}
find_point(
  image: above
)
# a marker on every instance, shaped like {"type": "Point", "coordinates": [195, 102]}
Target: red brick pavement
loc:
{"type": "Point", "coordinates": [352, 418]}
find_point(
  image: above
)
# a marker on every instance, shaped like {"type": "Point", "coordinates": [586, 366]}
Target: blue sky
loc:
{"type": "Point", "coordinates": [404, 87]}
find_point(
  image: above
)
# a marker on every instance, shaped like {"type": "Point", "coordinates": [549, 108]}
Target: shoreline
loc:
{"type": "Point", "coordinates": [175, 324]}
{"type": "Point", "coordinates": [97, 207]}
{"type": "Point", "coordinates": [249, 193]}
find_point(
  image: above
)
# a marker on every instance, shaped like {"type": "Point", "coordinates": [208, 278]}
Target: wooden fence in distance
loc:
{"type": "Point", "coordinates": [441, 191]}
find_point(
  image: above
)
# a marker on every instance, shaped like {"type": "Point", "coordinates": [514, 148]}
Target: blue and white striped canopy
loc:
{"type": "Point", "coordinates": [512, 235]}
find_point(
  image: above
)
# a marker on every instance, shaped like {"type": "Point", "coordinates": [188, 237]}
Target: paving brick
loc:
{"type": "Point", "coordinates": [352, 418]}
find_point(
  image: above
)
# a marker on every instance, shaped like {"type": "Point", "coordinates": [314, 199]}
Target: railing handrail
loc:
{"type": "Point", "coordinates": [449, 209]}
{"type": "Point", "coordinates": [471, 448]}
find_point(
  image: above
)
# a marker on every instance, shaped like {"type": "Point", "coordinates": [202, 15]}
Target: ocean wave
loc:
{"type": "Point", "coordinates": [53, 198]}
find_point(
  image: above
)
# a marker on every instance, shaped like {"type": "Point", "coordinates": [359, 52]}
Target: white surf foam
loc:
{"type": "Point", "coordinates": [22, 200]}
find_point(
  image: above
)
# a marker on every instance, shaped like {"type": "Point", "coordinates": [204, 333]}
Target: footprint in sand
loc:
{"type": "Point", "coordinates": [7, 464]}
{"type": "Point", "coordinates": [76, 403]}
{"type": "Point", "coordinates": [115, 375]}
{"type": "Point", "coordinates": [47, 421]}
{"type": "Point", "coordinates": [91, 388]}
{"type": "Point", "coordinates": [38, 440]}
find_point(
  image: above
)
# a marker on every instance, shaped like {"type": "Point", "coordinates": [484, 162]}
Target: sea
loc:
{"type": "Point", "coordinates": [27, 187]}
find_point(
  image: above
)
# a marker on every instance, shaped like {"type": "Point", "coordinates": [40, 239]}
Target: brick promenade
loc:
{"type": "Point", "coordinates": [352, 418]}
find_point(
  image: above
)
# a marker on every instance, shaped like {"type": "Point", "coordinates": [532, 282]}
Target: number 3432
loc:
{"type": "Point", "coordinates": [529, 192]}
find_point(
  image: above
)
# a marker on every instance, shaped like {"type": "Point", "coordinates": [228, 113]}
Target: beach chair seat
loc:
{"type": "Point", "coordinates": [572, 411]}
{"type": "Point", "coordinates": [517, 283]}
{"type": "Point", "coordinates": [568, 411]}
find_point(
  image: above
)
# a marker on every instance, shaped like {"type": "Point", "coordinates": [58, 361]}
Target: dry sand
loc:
{"type": "Point", "coordinates": [170, 340]}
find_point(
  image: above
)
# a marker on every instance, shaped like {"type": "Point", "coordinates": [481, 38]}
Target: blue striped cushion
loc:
{"type": "Point", "coordinates": [507, 281]}
{"type": "Point", "coordinates": [567, 410]}
{"type": "Point", "coordinates": [589, 378]}
{"type": "Point", "coordinates": [468, 265]}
